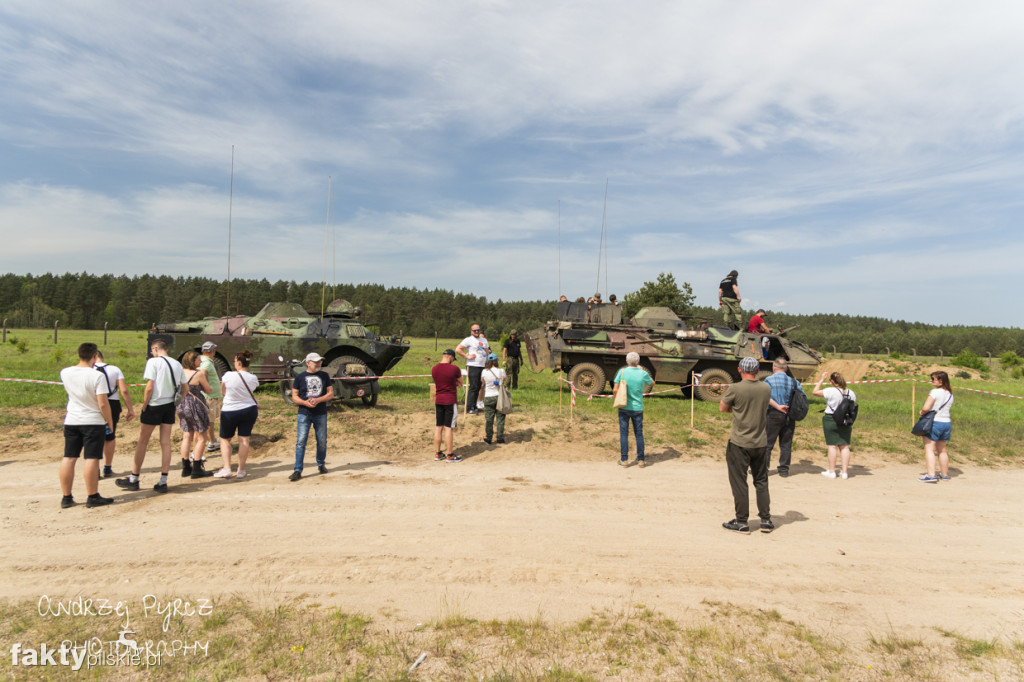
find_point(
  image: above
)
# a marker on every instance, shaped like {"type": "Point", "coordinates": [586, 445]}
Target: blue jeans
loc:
{"type": "Point", "coordinates": [637, 417]}
{"type": "Point", "coordinates": [319, 424]}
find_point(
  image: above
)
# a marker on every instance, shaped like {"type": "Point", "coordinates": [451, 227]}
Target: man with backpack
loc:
{"type": "Point", "coordinates": [787, 406]}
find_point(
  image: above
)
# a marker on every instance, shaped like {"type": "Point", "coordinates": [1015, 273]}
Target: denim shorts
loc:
{"type": "Point", "coordinates": [941, 431]}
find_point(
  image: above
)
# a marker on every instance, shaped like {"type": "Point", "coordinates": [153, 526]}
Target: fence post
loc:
{"type": "Point", "coordinates": [861, 350]}
{"type": "Point", "coordinates": [55, 323]}
{"type": "Point", "coordinates": [435, 340]}
{"type": "Point", "coordinates": [887, 351]}
{"type": "Point", "coordinates": [940, 354]}
{"type": "Point", "coordinates": [990, 359]}
{"type": "Point", "coordinates": [915, 354]}
{"type": "Point", "coordinates": [5, 330]}
{"type": "Point", "coordinates": [105, 333]}
{"type": "Point", "coordinates": [833, 349]}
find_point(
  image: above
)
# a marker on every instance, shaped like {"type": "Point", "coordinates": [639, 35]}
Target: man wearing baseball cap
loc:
{"type": "Point", "coordinates": [447, 379]}
{"type": "Point", "coordinates": [748, 440]}
{"type": "Point", "coordinates": [208, 350]}
{"type": "Point", "coordinates": [312, 390]}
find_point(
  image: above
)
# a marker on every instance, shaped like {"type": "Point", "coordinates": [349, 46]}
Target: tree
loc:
{"type": "Point", "coordinates": [664, 292]}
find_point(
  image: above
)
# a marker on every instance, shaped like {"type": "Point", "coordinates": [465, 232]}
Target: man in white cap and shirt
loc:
{"type": "Point", "coordinates": [312, 390]}
{"type": "Point", "coordinates": [213, 398]}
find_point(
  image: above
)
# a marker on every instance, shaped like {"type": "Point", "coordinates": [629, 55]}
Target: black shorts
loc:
{"type": "Point", "coordinates": [115, 414]}
{"type": "Point", "coordinates": [446, 415]}
{"type": "Point", "coordinates": [85, 436]}
{"type": "Point", "coordinates": [242, 420]}
{"type": "Point", "coordinates": [155, 415]}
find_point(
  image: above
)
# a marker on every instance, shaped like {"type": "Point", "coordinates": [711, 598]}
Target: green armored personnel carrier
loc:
{"type": "Point", "coordinates": [590, 342]}
{"type": "Point", "coordinates": [282, 333]}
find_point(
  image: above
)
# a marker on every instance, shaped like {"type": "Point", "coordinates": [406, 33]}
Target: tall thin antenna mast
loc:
{"type": "Point", "coordinates": [559, 248]}
{"type": "Point", "coordinates": [231, 198]}
{"type": "Point", "coordinates": [327, 231]}
{"type": "Point", "coordinates": [600, 244]}
{"type": "Point", "coordinates": [606, 290]}
{"type": "Point", "coordinates": [334, 251]}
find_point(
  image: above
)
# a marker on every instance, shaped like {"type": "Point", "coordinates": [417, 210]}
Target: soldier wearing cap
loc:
{"type": "Point", "coordinates": [312, 390]}
{"type": "Point", "coordinates": [213, 398]}
{"type": "Point", "coordinates": [747, 400]}
{"type": "Point", "coordinates": [512, 356]}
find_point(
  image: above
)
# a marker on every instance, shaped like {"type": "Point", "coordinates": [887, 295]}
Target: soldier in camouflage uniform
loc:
{"type": "Point", "coordinates": [512, 356]}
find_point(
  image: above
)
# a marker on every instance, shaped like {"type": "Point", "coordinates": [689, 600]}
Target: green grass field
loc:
{"type": "Point", "coordinates": [987, 428]}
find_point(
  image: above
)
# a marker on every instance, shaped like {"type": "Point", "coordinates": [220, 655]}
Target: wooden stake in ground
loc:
{"type": "Point", "coordinates": [913, 401]}
{"type": "Point", "coordinates": [693, 396]}
{"type": "Point", "coordinates": [559, 395]}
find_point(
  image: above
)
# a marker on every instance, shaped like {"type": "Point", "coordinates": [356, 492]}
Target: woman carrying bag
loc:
{"type": "Point", "coordinates": [940, 399]}
{"type": "Point", "coordinates": [493, 378]}
{"type": "Point", "coordinates": [633, 382]}
{"type": "Point", "coordinates": [837, 436]}
{"type": "Point", "coordinates": [238, 413]}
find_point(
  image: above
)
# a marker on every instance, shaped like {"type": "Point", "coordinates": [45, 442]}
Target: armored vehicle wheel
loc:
{"type": "Point", "coordinates": [713, 383]}
{"type": "Point", "coordinates": [337, 366]}
{"type": "Point", "coordinates": [370, 400]}
{"type": "Point", "coordinates": [588, 378]}
{"type": "Point", "coordinates": [763, 374]}
{"type": "Point", "coordinates": [221, 365]}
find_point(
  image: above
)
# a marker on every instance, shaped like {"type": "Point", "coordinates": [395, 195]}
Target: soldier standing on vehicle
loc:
{"type": "Point", "coordinates": [475, 349]}
{"type": "Point", "coordinates": [213, 398]}
{"type": "Point", "coordinates": [729, 300]}
{"type": "Point", "coordinates": [312, 390]}
{"type": "Point", "coordinates": [512, 356]}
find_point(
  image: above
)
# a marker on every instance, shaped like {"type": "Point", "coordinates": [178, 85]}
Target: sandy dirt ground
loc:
{"type": "Point", "coordinates": [542, 526]}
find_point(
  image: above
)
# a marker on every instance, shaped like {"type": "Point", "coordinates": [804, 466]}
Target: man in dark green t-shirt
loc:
{"type": "Point", "coordinates": [748, 402]}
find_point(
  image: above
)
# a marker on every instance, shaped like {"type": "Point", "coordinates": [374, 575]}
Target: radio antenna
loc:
{"type": "Point", "coordinates": [327, 232]}
{"type": "Point", "coordinates": [231, 198]}
{"type": "Point", "coordinates": [601, 242]}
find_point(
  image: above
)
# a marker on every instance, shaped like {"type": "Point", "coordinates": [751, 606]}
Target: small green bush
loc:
{"type": "Point", "coordinates": [22, 346]}
{"type": "Point", "coordinates": [968, 359]}
{"type": "Point", "coordinates": [1010, 359]}
{"type": "Point", "coordinates": [12, 340]}
{"type": "Point", "coordinates": [896, 355]}
{"type": "Point", "coordinates": [963, 374]}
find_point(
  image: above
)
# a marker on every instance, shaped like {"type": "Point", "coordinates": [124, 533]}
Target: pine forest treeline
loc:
{"type": "Point", "coordinates": [85, 301]}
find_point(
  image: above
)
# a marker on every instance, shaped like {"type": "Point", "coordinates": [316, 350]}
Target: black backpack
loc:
{"type": "Point", "coordinates": [846, 413]}
{"type": "Point", "coordinates": [798, 405]}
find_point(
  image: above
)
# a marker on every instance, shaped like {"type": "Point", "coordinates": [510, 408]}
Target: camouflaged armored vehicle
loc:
{"type": "Point", "coordinates": [282, 333]}
{"type": "Point", "coordinates": [590, 342]}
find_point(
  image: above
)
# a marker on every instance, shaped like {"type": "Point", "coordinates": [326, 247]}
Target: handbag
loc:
{"type": "Point", "coordinates": [177, 394]}
{"type": "Point", "coordinates": [504, 405]}
{"type": "Point", "coordinates": [621, 393]}
{"type": "Point", "coordinates": [923, 427]}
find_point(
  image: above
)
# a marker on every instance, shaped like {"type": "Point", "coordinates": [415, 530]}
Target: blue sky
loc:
{"type": "Point", "coordinates": [854, 157]}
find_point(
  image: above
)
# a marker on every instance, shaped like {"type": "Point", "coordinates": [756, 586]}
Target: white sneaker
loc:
{"type": "Point", "coordinates": [224, 473]}
{"type": "Point", "coordinates": [843, 476]}
{"type": "Point", "coordinates": [828, 474]}
{"type": "Point", "coordinates": [241, 474]}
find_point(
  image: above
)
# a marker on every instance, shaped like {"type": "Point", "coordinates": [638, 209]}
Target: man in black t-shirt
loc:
{"type": "Point", "coordinates": [312, 390]}
{"type": "Point", "coordinates": [512, 356]}
{"type": "Point", "coordinates": [729, 300]}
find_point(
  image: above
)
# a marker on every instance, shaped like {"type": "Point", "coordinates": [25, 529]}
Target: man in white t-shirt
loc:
{"type": "Point", "coordinates": [88, 419]}
{"type": "Point", "coordinates": [117, 393]}
{"type": "Point", "coordinates": [475, 349]}
{"type": "Point", "coordinates": [164, 377]}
